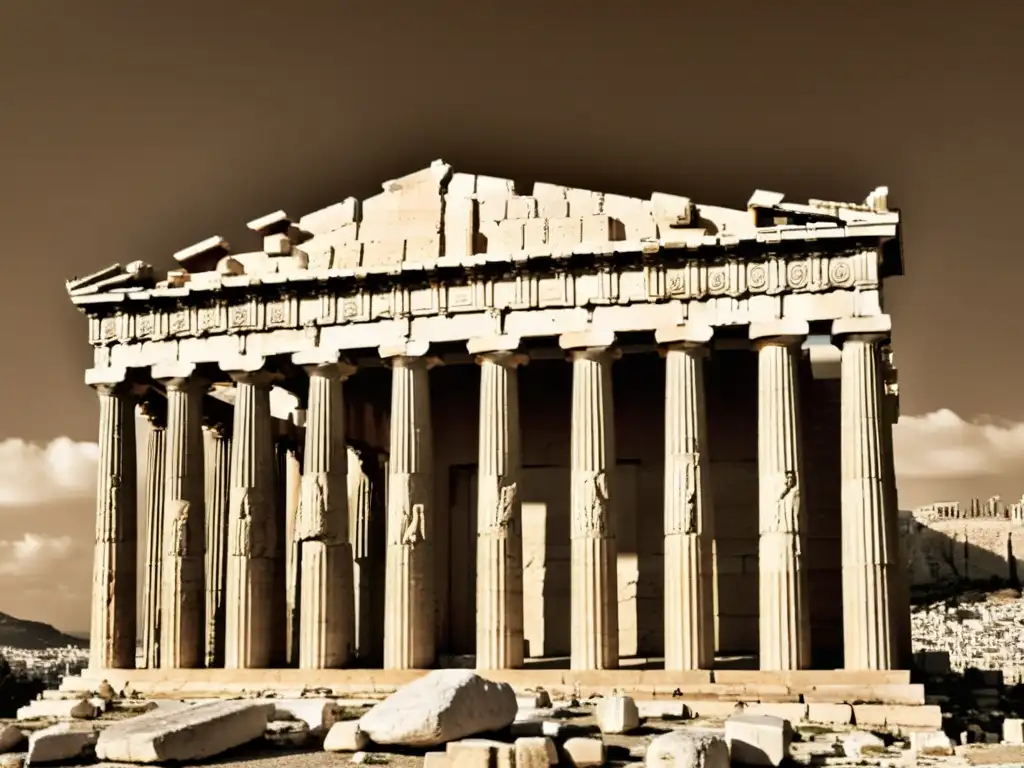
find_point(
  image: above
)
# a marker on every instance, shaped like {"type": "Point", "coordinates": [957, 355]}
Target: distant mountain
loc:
{"type": "Point", "coordinates": [34, 635]}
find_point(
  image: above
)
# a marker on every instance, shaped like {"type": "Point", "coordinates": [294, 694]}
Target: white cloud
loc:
{"type": "Point", "coordinates": [32, 554]}
{"type": "Point", "coordinates": [942, 445]}
{"type": "Point", "coordinates": [34, 474]}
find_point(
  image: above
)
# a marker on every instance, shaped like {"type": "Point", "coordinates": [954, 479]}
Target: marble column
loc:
{"type": "Point", "coordinates": [290, 466]}
{"type": "Point", "coordinates": [253, 538]}
{"type": "Point", "coordinates": [499, 554]}
{"type": "Point", "coordinates": [367, 534]}
{"type": "Point", "coordinates": [154, 408]}
{"type": "Point", "coordinates": [784, 611]}
{"type": "Point", "coordinates": [900, 584]}
{"type": "Point", "coordinates": [183, 588]}
{"type": "Point", "coordinates": [867, 543]}
{"type": "Point", "coordinates": [594, 583]}
{"type": "Point", "coordinates": [217, 438]}
{"type": "Point", "coordinates": [113, 621]}
{"type": "Point", "coordinates": [409, 631]}
{"type": "Point", "coordinates": [689, 517]}
{"type": "Point", "coordinates": [327, 599]}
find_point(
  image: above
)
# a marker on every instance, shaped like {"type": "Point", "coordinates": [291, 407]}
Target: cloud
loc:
{"type": "Point", "coordinates": [35, 474]}
{"type": "Point", "coordinates": [32, 555]}
{"type": "Point", "coordinates": [942, 445]}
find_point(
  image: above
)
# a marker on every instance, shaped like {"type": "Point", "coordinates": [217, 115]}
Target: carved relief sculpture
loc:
{"type": "Point", "coordinates": [689, 522]}
{"type": "Point", "coordinates": [178, 544]}
{"type": "Point", "coordinates": [413, 528]}
{"type": "Point", "coordinates": [594, 521]}
{"type": "Point", "coordinates": [505, 512]}
{"type": "Point", "coordinates": [787, 503]}
{"type": "Point", "coordinates": [312, 517]}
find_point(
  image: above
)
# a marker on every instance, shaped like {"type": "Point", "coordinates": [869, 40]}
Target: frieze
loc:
{"type": "Point", "coordinates": [686, 279]}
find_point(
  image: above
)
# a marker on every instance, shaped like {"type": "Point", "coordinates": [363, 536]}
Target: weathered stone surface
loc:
{"type": "Point", "coordinates": [79, 710]}
{"type": "Point", "coordinates": [195, 733]}
{"type": "Point", "coordinates": [59, 743]}
{"type": "Point", "coordinates": [1013, 730]}
{"type": "Point", "coordinates": [435, 760]}
{"type": "Point", "coordinates": [930, 743]}
{"type": "Point", "coordinates": [13, 760]}
{"type": "Point", "coordinates": [535, 752]}
{"type": "Point", "coordinates": [346, 736]}
{"type": "Point", "coordinates": [11, 736]}
{"type": "Point", "coordinates": [861, 743]}
{"type": "Point", "coordinates": [617, 714]}
{"type": "Point", "coordinates": [758, 739]}
{"type": "Point", "coordinates": [480, 753]}
{"type": "Point", "coordinates": [581, 751]}
{"type": "Point", "coordinates": [443, 706]}
{"type": "Point", "coordinates": [688, 749]}
{"type": "Point", "coordinates": [318, 714]}
{"type": "Point", "coordinates": [288, 733]}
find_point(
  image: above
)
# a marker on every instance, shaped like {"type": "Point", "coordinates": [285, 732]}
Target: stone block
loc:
{"type": "Point", "coordinates": [345, 736]}
{"type": "Point", "coordinates": [386, 253]}
{"type": "Point", "coordinates": [330, 218]}
{"type": "Point", "coordinates": [423, 249]}
{"type": "Point", "coordinates": [492, 186]}
{"type": "Point", "coordinates": [617, 714]}
{"type": "Point", "coordinates": [82, 709]}
{"type": "Point", "coordinates": [535, 752]}
{"type": "Point", "coordinates": [688, 749]}
{"type": "Point", "coordinates": [1013, 730]}
{"type": "Point", "coordinates": [552, 208]}
{"type": "Point", "coordinates": [861, 744]}
{"type": "Point", "coordinates": [598, 229]}
{"type": "Point", "coordinates": [442, 706]}
{"type": "Point", "coordinates": [926, 716]}
{"type": "Point", "coordinates": [60, 743]}
{"type": "Point", "coordinates": [584, 202]}
{"type": "Point", "coordinates": [435, 760]}
{"type": "Point", "coordinates": [758, 739]}
{"type": "Point", "coordinates": [481, 753]}
{"type": "Point", "coordinates": [565, 233]}
{"type": "Point", "coordinates": [13, 760]}
{"type": "Point", "coordinates": [930, 743]}
{"type": "Point", "coordinates": [277, 245]}
{"type": "Point", "coordinates": [834, 714]}
{"type": "Point", "coordinates": [522, 208]}
{"type": "Point", "coordinates": [493, 209]}
{"type": "Point", "coordinates": [189, 734]}
{"type": "Point", "coordinates": [793, 712]}
{"type": "Point", "coordinates": [11, 736]}
{"type": "Point", "coordinates": [462, 185]}
{"type": "Point", "coordinates": [535, 234]}
{"type": "Point", "coordinates": [660, 708]}
{"type": "Point", "coordinates": [288, 733]}
{"type": "Point", "coordinates": [318, 714]}
{"type": "Point", "coordinates": [583, 752]}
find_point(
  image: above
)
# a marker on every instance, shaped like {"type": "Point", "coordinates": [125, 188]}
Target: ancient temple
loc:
{"type": "Point", "coordinates": [452, 424]}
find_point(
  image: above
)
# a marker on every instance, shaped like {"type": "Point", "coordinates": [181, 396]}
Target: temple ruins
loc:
{"type": "Point", "coordinates": [568, 437]}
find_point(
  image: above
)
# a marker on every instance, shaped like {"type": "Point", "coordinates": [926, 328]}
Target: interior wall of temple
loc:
{"type": "Point", "coordinates": [638, 382]}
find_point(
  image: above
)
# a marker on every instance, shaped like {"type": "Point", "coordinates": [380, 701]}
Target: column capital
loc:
{"type": "Point", "coordinates": [324, 362]}
{"type": "Point", "coordinates": [402, 351]}
{"type": "Point", "coordinates": [249, 369]}
{"type": "Point", "coordinates": [875, 328]}
{"type": "Point", "coordinates": [115, 381]}
{"type": "Point", "coordinates": [685, 336]}
{"type": "Point", "coordinates": [178, 376]}
{"type": "Point", "coordinates": [784, 331]}
{"type": "Point", "coordinates": [486, 344]}
{"type": "Point", "coordinates": [592, 344]}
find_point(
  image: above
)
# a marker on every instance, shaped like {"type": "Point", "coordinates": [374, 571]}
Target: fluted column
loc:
{"type": "Point", "coordinates": [183, 589]}
{"type": "Point", "coordinates": [866, 520]}
{"type": "Point", "coordinates": [499, 561]}
{"type": "Point", "coordinates": [784, 615]}
{"type": "Point", "coordinates": [900, 584]}
{"type": "Point", "coordinates": [113, 621]}
{"type": "Point", "coordinates": [154, 408]}
{"type": "Point", "coordinates": [327, 633]}
{"type": "Point", "coordinates": [290, 467]}
{"type": "Point", "coordinates": [689, 518]}
{"type": "Point", "coordinates": [367, 534]}
{"type": "Point", "coordinates": [251, 626]}
{"type": "Point", "coordinates": [409, 631]}
{"type": "Point", "coordinates": [217, 449]}
{"type": "Point", "coordinates": [594, 582]}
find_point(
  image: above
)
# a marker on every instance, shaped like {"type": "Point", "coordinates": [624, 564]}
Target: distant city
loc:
{"type": "Point", "coordinates": [993, 507]}
{"type": "Point", "coordinates": [50, 665]}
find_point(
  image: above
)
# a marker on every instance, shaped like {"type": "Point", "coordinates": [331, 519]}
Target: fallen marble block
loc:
{"type": "Point", "coordinates": [687, 749]}
{"type": "Point", "coordinates": [346, 736]}
{"type": "Point", "coordinates": [444, 705]}
{"type": "Point", "coordinates": [59, 743]}
{"type": "Point", "coordinates": [758, 739]}
{"type": "Point", "coordinates": [617, 714]}
{"type": "Point", "coordinates": [11, 736]}
{"type": "Point", "coordinates": [64, 709]}
{"type": "Point", "coordinates": [197, 732]}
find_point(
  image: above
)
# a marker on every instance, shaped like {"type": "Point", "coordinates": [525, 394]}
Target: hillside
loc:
{"type": "Point", "coordinates": [34, 635]}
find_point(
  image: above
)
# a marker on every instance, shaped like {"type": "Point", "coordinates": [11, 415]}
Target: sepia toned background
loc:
{"type": "Point", "coordinates": [131, 130]}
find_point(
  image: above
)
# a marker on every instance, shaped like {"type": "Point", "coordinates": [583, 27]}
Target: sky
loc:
{"type": "Point", "coordinates": [131, 130]}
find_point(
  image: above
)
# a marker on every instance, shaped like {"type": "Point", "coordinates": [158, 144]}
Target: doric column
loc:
{"type": "Point", "coordinates": [289, 449]}
{"type": "Point", "coordinates": [154, 408]}
{"type": "Point", "coordinates": [900, 584]}
{"type": "Point", "coordinates": [409, 631]}
{"type": "Point", "coordinates": [327, 604]}
{"type": "Point", "coordinates": [251, 626]}
{"type": "Point", "coordinates": [217, 449]}
{"type": "Point", "coordinates": [867, 525]}
{"type": "Point", "coordinates": [183, 593]}
{"type": "Point", "coordinates": [113, 624]}
{"type": "Point", "coordinates": [499, 561]}
{"type": "Point", "coordinates": [689, 518]}
{"type": "Point", "coordinates": [784, 615]}
{"type": "Point", "coordinates": [594, 582]}
{"type": "Point", "coordinates": [367, 534]}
